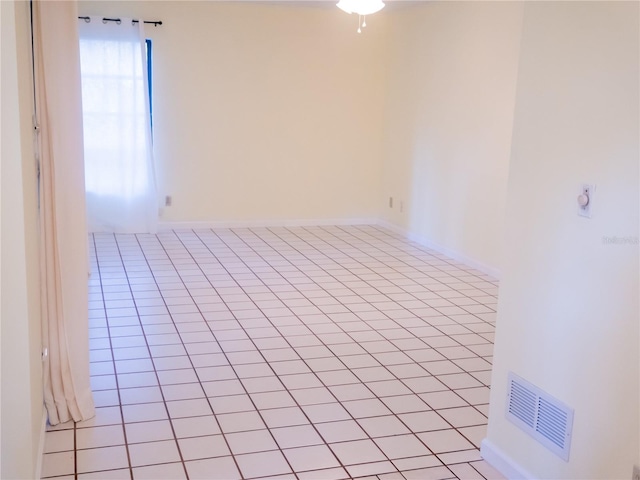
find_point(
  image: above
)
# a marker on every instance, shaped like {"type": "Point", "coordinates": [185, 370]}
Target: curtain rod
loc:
{"type": "Point", "coordinates": [155, 23]}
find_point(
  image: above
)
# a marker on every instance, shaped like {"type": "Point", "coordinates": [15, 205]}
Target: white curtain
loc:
{"type": "Point", "coordinates": [63, 228]}
{"type": "Point", "coordinates": [119, 173]}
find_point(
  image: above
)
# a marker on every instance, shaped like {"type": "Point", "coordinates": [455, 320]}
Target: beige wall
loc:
{"type": "Point", "coordinates": [449, 112]}
{"type": "Point", "coordinates": [263, 112]}
{"type": "Point", "coordinates": [568, 309]}
{"type": "Point", "coordinates": [22, 408]}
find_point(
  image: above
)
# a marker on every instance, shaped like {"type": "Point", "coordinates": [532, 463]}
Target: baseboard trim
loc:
{"type": "Point", "coordinates": [502, 462]}
{"type": "Point", "coordinates": [43, 432]}
{"type": "Point", "coordinates": [425, 242]}
{"type": "Point", "coordinates": [165, 226]}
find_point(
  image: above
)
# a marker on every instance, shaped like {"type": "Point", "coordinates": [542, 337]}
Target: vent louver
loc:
{"type": "Point", "coordinates": [545, 418]}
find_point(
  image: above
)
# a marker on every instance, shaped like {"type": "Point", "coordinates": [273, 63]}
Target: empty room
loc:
{"type": "Point", "coordinates": [300, 240]}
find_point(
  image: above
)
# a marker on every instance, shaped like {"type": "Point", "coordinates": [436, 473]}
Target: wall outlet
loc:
{"type": "Point", "coordinates": [636, 473]}
{"type": "Point", "coordinates": [390, 202]}
{"type": "Point", "coordinates": [167, 201]}
{"type": "Point", "coordinates": [585, 200]}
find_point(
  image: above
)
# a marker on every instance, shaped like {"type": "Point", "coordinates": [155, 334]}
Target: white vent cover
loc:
{"type": "Point", "coordinates": [545, 418]}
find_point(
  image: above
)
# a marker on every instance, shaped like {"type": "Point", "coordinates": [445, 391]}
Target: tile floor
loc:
{"type": "Point", "coordinates": [309, 353]}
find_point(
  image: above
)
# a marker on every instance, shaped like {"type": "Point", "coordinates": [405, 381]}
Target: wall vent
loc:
{"type": "Point", "coordinates": [545, 418]}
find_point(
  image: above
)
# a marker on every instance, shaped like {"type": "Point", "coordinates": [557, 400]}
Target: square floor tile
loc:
{"type": "Point", "coordinates": [423, 421]}
{"type": "Point", "coordinates": [262, 464]}
{"type": "Point", "coordinates": [104, 416]}
{"type": "Point", "coordinates": [144, 412]}
{"type": "Point", "coordinates": [168, 471]}
{"type": "Point", "coordinates": [351, 392]}
{"type": "Point", "coordinates": [442, 441]}
{"type": "Point", "coordinates": [195, 426]}
{"type": "Point", "coordinates": [302, 380]}
{"type": "Point", "coordinates": [463, 416]}
{"type": "Point", "coordinates": [337, 377]}
{"type": "Point", "coordinates": [383, 426]}
{"type": "Point", "coordinates": [297, 436]}
{"type": "Point", "coordinates": [267, 400]}
{"type": "Point", "coordinates": [460, 456]}
{"type": "Point", "coordinates": [148, 431]}
{"type": "Point", "coordinates": [240, 422]}
{"type": "Point", "coordinates": [223, 388]}
{"type": "Point", "coordinates": [474, 434]}
{"type": "Point", "coordinates": [210, 446]}
{"type": "Point", "coordinates": [326, 412]}
{"type": "Point", "coordinates": [447, 399]}
{"type": "Point", "coordinates": [405, 404]}
{"type": "Point", "coordinates": [262, 384]}
{"type": "Point", "coordinates": [358, 451]}
{"type": "Point", "coordinates": [371, 407]}
{"type": "Point", "coordinates": [402, 446]}
{"type": "Point", "coordinates": [416, 463]}
{"type": "Point", "coordinates": [231, 404]}
{"type": "Point", "coordinates": [59, 441]}
{"type": "Point", "coordinates": [95, 437]}
{"type": "Point", "coordinates": [433, 473]}
{"type": "Point", "coordinates": [184, 391]}
{"type": "Point", "coordinates": [223, 468]}
{"type": "Point", "coordinates": [189, 408]}
{"type": "Point", "coordinates": [475, 396]}
{"type": "Point", "coordinates": [97, 459]}
{"type": "Point", "coordinates": [131, 396]}
{"type": "Point", "coordinates": [250, 442]}
{"type": "Point", "coordinates": [311, 458]}
{"type": "Point", "coordinates": [55, 464]}
{"type": "Point", "coordinates": [424, 384]}
{"type": "Point", "coordinates": [153, 453]}
{"type": "Point", "coordinates": [370, 469]}
{"type": "Point", "coordinates": [466, 471]}
{"type": "Point", "coordinates": [117, 474]}
{"type": "Point", "coordinates": [388, 388]}
{"type": "Point", "coordinates": [337, 473]}
{"type": "Point", "coordinates": [341, 431]}
{"type": "Point", "coordinates": [313, 396]}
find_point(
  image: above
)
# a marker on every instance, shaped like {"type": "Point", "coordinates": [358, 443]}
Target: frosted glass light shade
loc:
{"type": "Point", "coordinates": [361, 7]}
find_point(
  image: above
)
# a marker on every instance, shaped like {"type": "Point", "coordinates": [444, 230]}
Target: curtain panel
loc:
{"type": "Point", "coordinates": [63, 229]}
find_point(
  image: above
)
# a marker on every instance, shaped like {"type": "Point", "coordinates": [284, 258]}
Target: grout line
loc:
{"type": "Point", "coordinates": [115, 375]}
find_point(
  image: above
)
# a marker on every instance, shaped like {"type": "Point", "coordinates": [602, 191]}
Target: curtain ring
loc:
{"type": "Point", "coordinates": [104, 20]}
{"type": "Point", "coordinates": [87, 19]}
{"type": "Point", "coordinates": [118, 21]}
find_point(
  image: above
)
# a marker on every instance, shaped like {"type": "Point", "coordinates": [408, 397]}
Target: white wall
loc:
{"type": "Point", "coordinates": [568, 309]}
{"type": "Point", "coordinates": [22, 406]}
{"type": "Point", "coordinates": [449, 111]}
{"type": "Point", "coordinates": [263, 112]}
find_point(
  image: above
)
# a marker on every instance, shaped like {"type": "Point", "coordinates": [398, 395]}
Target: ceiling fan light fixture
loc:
{"type": "Point", "coordinates": [361, 7]}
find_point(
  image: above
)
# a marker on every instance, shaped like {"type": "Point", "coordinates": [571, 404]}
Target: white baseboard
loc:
{"type": "Point", "coordinates": [503, 463]}
{"type": "Point", "coordinates": [43, 431]}
{"type": "Point", "coordinates": [425, 242]}
{"type": "Point", "coordinates": [164, 226]}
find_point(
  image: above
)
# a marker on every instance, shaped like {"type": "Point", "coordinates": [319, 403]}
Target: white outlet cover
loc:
{"type": "Point", "coordinates": [589, 191]}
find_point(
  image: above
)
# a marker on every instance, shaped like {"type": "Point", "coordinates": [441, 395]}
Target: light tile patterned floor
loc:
{"type": "Point", "coordinates": [310, 353]}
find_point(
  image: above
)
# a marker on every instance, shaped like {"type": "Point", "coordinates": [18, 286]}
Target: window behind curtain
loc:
{"type": "Point", "coordinates": [119, 177]}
